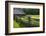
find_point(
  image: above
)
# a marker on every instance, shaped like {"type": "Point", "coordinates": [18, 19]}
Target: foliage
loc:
{"type": "Point", "coordinates": [31, 11]}
{"type": "Point", "coordinates": [34, 22]}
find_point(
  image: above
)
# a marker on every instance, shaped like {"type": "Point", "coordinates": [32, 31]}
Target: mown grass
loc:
{"type": "Point", "coordinates": [33, 23]}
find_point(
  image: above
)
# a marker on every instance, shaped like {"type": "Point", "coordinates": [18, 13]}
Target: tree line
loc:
{"type": "Point", "coordinates": [31, 11]}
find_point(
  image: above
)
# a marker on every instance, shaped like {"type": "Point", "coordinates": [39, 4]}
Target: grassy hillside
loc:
{"type": "Point", "coordinates": [24, 22]}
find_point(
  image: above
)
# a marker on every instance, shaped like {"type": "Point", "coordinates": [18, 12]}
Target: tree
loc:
{"type": "Point", "coordinates": [31, 11]}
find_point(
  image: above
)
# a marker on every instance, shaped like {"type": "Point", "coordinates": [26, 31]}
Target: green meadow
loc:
{"type": "Point", "coordinates": [24, 22]}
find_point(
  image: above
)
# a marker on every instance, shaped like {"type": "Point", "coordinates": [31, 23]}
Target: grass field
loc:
{"type": "Point", "coordinates": [24, 22]}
